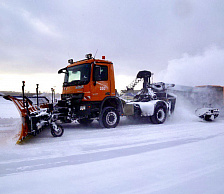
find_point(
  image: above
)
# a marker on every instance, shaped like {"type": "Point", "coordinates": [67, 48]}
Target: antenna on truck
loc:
{"type": "Point", "coordinates": [95, 53]}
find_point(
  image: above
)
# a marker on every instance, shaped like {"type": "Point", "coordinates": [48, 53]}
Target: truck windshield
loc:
{"type": "Point", "coordinates": [77, 75]}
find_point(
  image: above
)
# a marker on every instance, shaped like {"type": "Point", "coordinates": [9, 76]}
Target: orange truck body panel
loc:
{"type": "Point", "coordinates": [94, 90]}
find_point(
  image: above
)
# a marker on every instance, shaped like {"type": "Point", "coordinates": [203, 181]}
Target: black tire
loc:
{"type": "Point", "coordinates": [58, 133]}
{"type": "Point", "coordinates": [85, 121]}
{"type": "Point", "coordinates": [109, 118]}
{"type": "Point", "coordinates": [159, 115]}
{"type": "Point", "coordinates": [208, 118]}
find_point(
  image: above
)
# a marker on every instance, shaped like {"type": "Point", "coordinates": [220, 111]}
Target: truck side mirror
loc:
{"type": "Point", "coordinates": [64, 70]}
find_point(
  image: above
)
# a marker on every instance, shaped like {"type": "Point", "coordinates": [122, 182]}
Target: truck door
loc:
{"type": "Point", "coordinates": [101, 83]}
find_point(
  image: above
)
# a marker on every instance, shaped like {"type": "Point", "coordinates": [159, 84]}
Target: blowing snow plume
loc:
{"type": "Point", "coordinates": [204, 69]}
{"type": "Point", "coordinates": [190, 71]}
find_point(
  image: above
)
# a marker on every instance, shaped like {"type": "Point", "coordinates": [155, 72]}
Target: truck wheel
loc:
{"type": "Point", "coordinates": [109, 118]}
{"type": "Point", "coordinates": [208, 118]}
{"type": "Point", "coordinates": [57, 132]}
{"type": "Point", "coordinates": [159, 115]}
{"type": "Point", "coordinates": [85, 121]}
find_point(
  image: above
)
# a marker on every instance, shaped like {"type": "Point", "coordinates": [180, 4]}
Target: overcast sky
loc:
{"type": "Point", "coordinates": [37, 37]}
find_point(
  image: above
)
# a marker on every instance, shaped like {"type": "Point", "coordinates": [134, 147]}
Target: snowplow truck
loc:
{"type": "Point", "coordinates": [89, 93]}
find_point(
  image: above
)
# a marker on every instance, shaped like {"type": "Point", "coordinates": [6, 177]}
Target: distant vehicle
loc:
{"type": "Point", "coordinates": [207, 114]}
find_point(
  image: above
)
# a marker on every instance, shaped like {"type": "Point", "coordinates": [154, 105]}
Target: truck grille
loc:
{"type": "Point", "coordinates": [72, 96]}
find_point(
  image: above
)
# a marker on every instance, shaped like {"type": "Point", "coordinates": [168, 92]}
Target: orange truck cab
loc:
{"type": "Point", "coordinates": [89, 93]}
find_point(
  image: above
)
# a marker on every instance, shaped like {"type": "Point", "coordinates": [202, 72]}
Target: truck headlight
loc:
{"type": "Point", "coordinates": [82, 107]}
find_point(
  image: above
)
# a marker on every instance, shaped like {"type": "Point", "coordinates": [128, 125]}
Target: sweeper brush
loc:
{"type": "Point", "coordinates": [36, 113]}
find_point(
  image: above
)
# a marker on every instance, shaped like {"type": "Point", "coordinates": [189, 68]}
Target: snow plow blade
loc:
{"type": "Point", "coordinates": [35, 118]}
{"type": "Point", "coordinates": [36, 113]}
{"type": "Point", "coordinates": [25, 108]}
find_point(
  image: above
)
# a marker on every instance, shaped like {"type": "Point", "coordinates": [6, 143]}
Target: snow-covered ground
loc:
{"type": "Point", "coordinates": [184, 155]}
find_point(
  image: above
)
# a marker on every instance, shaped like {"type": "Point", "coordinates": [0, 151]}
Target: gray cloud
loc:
{"type": "Point", "coordinates": [39, 36]}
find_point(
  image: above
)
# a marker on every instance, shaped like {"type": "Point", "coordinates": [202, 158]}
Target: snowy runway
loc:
{"type": "Point", "coordinates": [180, 156]}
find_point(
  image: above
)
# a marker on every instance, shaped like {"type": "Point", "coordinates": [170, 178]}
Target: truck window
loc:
{"type": "Point", "coordinates": [77, 75]}
{"type": "Point", "coordinates": [73, 76]}
{"type": "Point", "coordinates": [101, 73]}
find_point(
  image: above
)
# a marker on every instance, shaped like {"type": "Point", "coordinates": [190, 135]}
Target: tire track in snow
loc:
{"type": "Point", "coordinates": [38, 164]}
